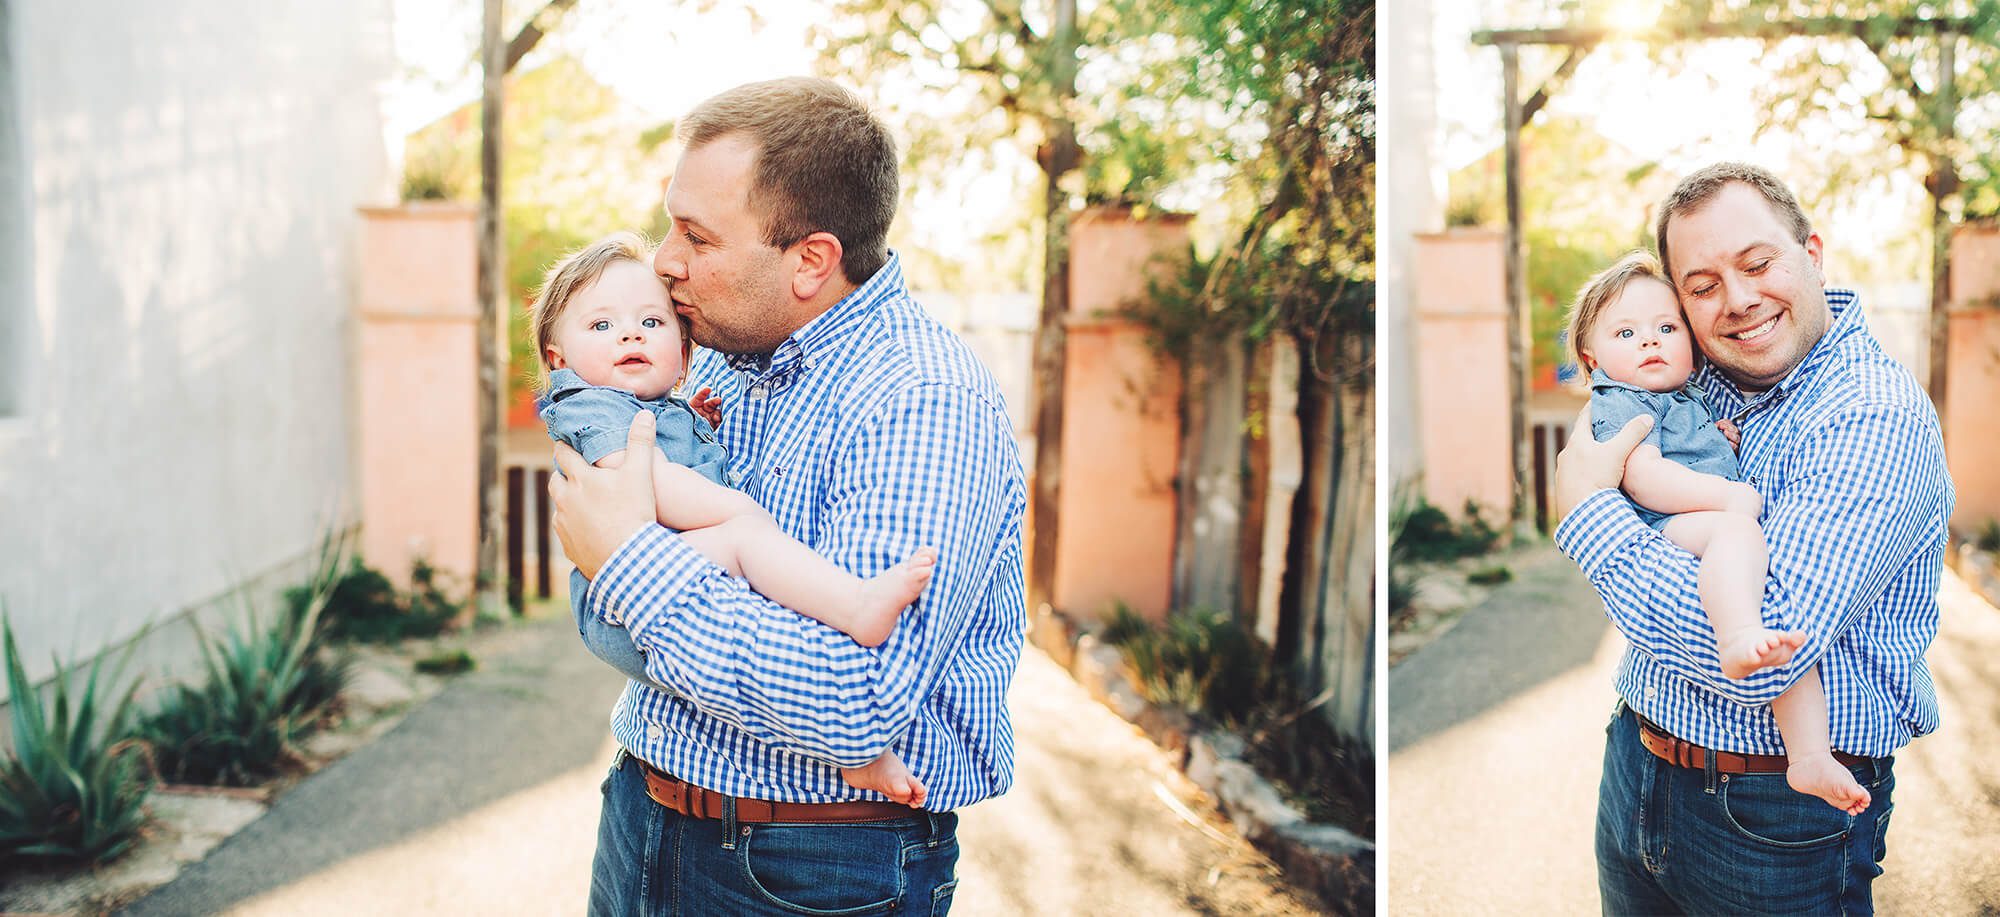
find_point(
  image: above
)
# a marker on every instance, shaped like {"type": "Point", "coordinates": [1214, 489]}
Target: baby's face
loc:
{"type": "Point", "coordinates": [620, 332]}
{"type": "Point", "coordinates": [1641, 339]}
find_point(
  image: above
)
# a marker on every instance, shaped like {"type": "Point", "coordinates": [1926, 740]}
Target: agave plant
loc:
{"type": "Point", "coordinates": [74, 786]}
{"type": "Point", "coordinates": [265, 687]}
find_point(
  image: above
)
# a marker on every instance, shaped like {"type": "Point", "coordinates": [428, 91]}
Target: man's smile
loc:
{"type": "Point", "coordinates": [1757, 332]}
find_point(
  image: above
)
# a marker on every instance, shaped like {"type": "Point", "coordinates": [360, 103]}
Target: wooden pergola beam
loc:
{"type": "Point", "coordinates": [1668, 32]}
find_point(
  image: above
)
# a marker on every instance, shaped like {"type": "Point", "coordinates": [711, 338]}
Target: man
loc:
{"type": "Point", "coordinates": [1694, 814]}
{"type": "Point", "coordinates": [867, 430]}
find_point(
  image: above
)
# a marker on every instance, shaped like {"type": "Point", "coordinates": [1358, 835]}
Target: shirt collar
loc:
{"type": "Point", "coordinates": [1845, 322]}
{"type": "Point", "coordinates": [820, 340]}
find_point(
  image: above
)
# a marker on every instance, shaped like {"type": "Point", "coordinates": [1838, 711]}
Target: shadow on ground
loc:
{"type": "Point", "coordinates": [534, 711]}
{"type": "Point", "coordinates": [1546, 622]}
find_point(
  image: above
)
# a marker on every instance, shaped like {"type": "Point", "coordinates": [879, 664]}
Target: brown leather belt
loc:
{"type": "Point", "coordinates": [693, 801]}
{"type": "Point", "coordinates": [1682, 753]}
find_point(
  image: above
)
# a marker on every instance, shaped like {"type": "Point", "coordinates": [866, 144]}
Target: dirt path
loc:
{"type": "Point", "coordinates": [485, 801]}
{"type": "Point", "coordinates": [1492, 794]}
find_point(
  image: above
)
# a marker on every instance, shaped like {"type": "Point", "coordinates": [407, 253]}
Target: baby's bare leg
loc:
{"type": "Point", "coordinates": [686, 500]}
{"type": "Point", "coordinates": [1811, 768]}
{"type": "Point", "coordinates": [889, 776]}
{"type": "Point", "coordinates": [1733, 561]}
{"type": "Point", "coordinates": [795, 576]}
{"type": "Point", "coordinates": [1666, 486]}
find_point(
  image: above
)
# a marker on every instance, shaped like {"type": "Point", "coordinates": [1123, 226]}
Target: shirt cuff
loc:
{"type": "Point", "coordinates": [1597, 528]}
{"type": "Point", "coordinates": [634, 585]}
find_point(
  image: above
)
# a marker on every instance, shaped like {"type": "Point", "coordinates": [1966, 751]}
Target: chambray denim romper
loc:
{"type": "Point", "coordinates": [1683, 429]}
{"type": "Point", "coordinates": [596, 421]}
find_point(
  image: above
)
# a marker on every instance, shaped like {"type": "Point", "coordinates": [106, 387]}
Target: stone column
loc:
{"type": "Point", "coordinates": [1461, 370]}
{"type": "Point", "coordinates": [418, 379]}
{"type": "Point", "coordinates": [1972, 358]}
{"type": "Point", "coordinates": [1121, 425]}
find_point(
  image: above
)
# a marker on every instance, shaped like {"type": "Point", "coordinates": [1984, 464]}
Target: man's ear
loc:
{"type": "Point", "coordinates": [818, 264]}
{"type": "Point", "coordinates": [1815, 249]}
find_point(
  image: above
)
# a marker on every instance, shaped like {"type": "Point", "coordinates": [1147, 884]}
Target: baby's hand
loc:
{"type": "Point", "coordinates": [708, 405]}
{"type": "Point", "coordinates": [1729, 432]}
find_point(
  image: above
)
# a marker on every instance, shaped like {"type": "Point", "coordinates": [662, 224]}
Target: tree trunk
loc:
{"type": "Point", "coordinates": [492, 299]}
{"type": "Point", "coordinates": [1059, 158]}
{"type": "Point", "coordinates": [1943, 184]}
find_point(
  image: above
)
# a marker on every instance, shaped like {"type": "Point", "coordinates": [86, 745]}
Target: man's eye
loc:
{"type": "Point", "coordinates": [692, 238]}
{"type": "Point", "coordinates": [600, 325]}
{"type": "Point", "coordinates": [1758, 268]}
{"type": "Point", "coordinates": [1703, 290]}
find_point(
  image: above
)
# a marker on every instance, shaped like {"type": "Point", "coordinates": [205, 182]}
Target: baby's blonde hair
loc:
{"type": "Point", "coordinates": [1600, 293]}
{"type": "Point", "coordinates": [574, 274]}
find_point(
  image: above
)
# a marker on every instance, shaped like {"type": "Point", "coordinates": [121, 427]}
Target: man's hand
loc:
{"type": "Point", "coordinates": [598, 509]}
{"type": "Point", "coordinates": [1586, 466]}
{"type": "Point", "coordinates": [706, 403]}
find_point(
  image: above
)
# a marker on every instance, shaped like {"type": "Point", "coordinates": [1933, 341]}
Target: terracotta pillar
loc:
{"type": "Point", "coordinates": [418, 378]}
{"type": "Point", "coordinates": [1121, 425]}
{"type": "Point", "coordinates": [1972, 358]}
{"type": "Point", "coordinates": [1461, 370]}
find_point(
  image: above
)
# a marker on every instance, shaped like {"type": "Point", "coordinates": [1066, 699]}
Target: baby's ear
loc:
{"type": "Point", "coordinates": [555, 359]}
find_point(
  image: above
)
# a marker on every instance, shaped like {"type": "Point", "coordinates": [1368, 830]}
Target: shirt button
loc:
{"type": "Point", "coordinates": [652, 733]}
{"type": "Point", "coordinates": [757, 392]}
{"type": "Point", "coordinates": [1651, 691]}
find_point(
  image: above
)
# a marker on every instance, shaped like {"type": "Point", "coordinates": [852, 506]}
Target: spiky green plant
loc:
{"type": "Point", "coordinates": [265, 689]}
{"type": "Point", "coordinates": [73, 788]}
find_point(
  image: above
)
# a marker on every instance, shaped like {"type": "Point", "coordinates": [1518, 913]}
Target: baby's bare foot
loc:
{"type": "Point", "coordinates": [1745, 651]}
{"type": "Point", "coordinates": [884, 597]}
{"type": "Point", "coordinates": [1820, 775]}
{"type": "Point", "coordinates": [889, 776]}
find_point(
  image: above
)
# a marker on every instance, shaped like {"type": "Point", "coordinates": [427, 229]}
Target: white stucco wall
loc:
{"type": "Point", "coordinates": [1410, 190]}
{"type": "Point", "coordinates": [187, 176]}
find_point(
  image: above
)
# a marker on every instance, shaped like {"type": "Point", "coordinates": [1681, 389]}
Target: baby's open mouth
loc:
{"type": "Point", "coordinates": [635, 361]}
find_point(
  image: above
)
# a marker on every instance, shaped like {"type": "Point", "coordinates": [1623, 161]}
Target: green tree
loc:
{"type": "Point", "coordinates": [1918, 76]}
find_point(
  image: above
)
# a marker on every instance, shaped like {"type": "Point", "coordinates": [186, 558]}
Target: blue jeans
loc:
{"type": "Point", "coordinates": [1679, 840]}
{"type": "Point", "coordinates": [656, 862]}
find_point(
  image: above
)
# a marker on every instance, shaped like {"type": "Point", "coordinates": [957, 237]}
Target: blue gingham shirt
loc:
{"type": "Point", "coordinates": [873, 431]}
{"type": "Point", "coordinates": [1847, 453]}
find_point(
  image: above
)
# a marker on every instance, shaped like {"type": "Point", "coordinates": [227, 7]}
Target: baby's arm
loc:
{"type": "Point", "coordinates": [1665, 486]}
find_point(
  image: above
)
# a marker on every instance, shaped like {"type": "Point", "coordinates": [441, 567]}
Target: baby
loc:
{"type": "Point", "coordinates": [613, 344]}
{"type": "Point", "coordinates": [1626, 327]}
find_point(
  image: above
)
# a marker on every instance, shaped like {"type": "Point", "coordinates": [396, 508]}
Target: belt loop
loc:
{"type": "Point", "coordinates": [1708, 771]}
{"type": "Point", "coordinates": [729, 823]}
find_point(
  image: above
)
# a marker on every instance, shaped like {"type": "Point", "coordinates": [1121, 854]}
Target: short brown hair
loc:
{"type": "Point", "coordinates": [573, 274]}
{"type": "Point", "coordinates": [824, 164]}
{"type": "Point", "coordinates": [1599, 293]}
{"type": "Point", "coordinates": [1702, 186]}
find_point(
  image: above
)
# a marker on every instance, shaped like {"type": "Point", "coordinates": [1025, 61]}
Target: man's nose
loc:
{"type": "Point", "coordinates": [667, 261]}
{"type": "Point", "coordinates": [1738, 295]}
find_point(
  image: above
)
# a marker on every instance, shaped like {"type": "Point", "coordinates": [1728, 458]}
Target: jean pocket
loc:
{"type": "Point", "coordinates": [941, 899]}
{"type": "Point", "coordinates": [1765, 809]}
{"type": "Point", "coordinates": [824, 869]}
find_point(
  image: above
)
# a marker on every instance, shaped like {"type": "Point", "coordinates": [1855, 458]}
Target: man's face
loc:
{"type": "Point", "coordinates": [620, 332]}
{"type": "Point", "coordinates": [1754, 298]}
{"type": "Point", "coordinates": [723, 277]}
{"type": "Point", "coordinates": [1638, 339]}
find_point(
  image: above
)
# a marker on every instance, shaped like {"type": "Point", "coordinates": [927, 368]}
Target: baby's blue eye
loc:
{"type": "Point", "coordinates": [651, 322]}
{"type": "Point", "coordinates": [1624, 333]}
{"type": "Point", "coordinates": [601, 325]}
{"type": "Point", "coordinates": [1669, 328]}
